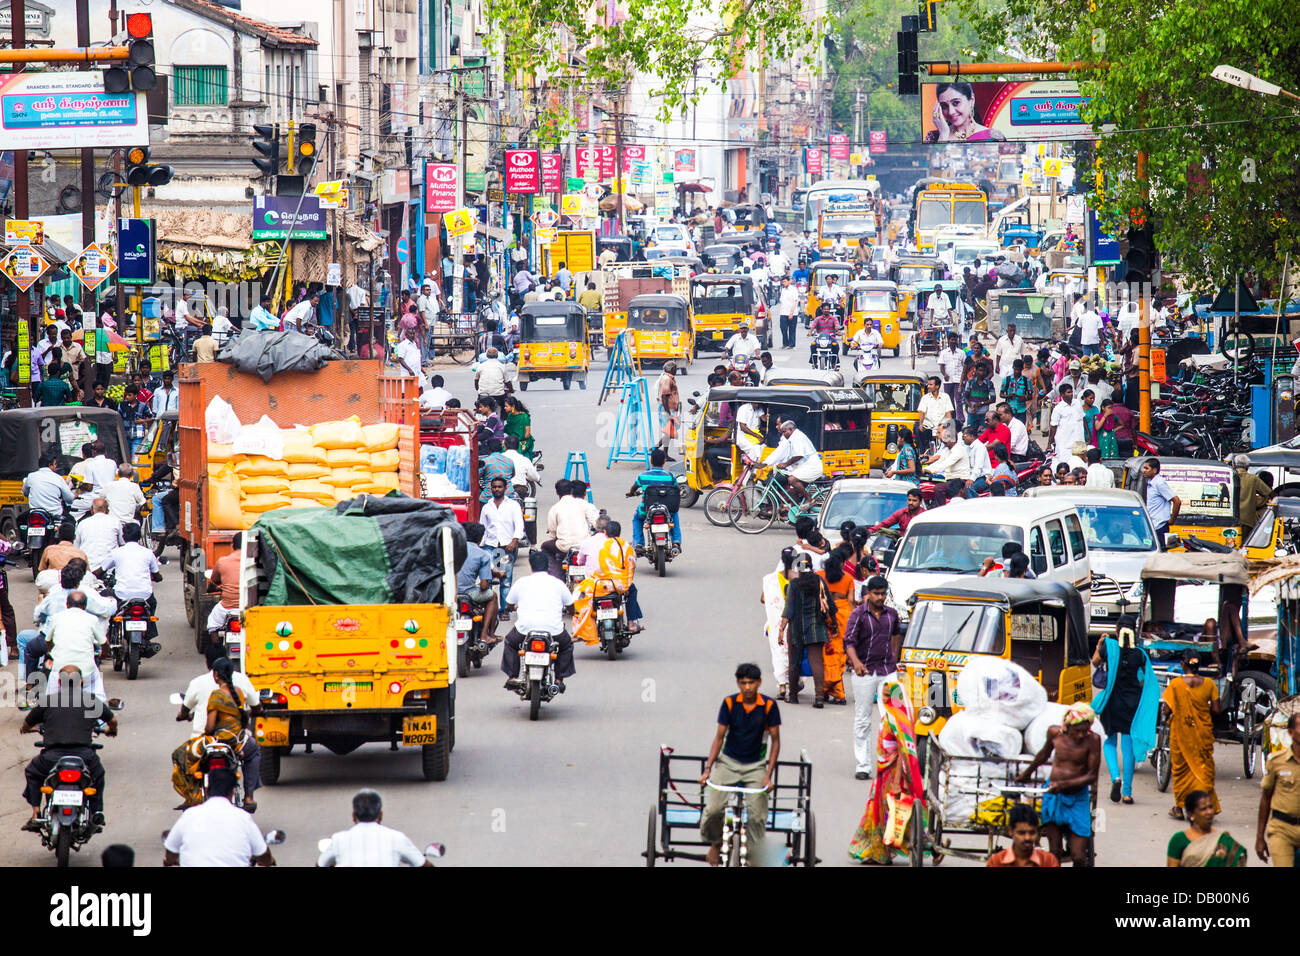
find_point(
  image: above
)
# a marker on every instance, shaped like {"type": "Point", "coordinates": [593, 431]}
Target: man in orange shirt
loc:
{"type": "Point", "coordinates": [61, 552]}
{"type": "Point", "coordinates": [225, 577]}
{"type": "Point", "coordinates": [1024, 849]}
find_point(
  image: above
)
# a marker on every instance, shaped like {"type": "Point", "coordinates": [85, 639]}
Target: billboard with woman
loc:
{"type": "Point", "coordinates": [962, 112]}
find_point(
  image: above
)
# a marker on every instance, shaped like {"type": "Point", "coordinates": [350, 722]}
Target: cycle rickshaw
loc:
{"type": "Point", "coordinates": [673, 828]}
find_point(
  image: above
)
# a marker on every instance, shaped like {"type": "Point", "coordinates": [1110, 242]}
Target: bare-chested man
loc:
{"type": "Point", "coordinates": [1075, 752]}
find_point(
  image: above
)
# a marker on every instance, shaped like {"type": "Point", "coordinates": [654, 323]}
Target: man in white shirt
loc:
{"type": "Point", "coordinates": [1067, 424]}
{"type": "Point", "coordinates": [435, 396]}
{"type": "Point", "coordinates": [1019, 433]}
{"type": "Point", "coordinates": [951, 461]}
{"type": "Point", "coordinates": [124, 496]}
{"type": "Point", "coordinates": [98, 534]}
{"type": "Point", "coordinates": [73, 638]}
{"type": "Point", "coordinates": [1099, 476]}
{"type": "Point", "coordinates": [168, 396]}
{"type": "Point", "coordinates": [41, 351]}
{"type": "Point", "coordinates": [952, 363]}
{"type": "Point", "coordinates": [301, 314]}
{"type": "Point", "coordinates": [1099, 386]}
{"type": "Point", "coordinates": [503, 527]}
{"type": "Point", "coordinates": [749, 431]}
{"type": "Point", "coordinates": [831, 291]}
{"type": "Point", "coordinates": [137, 568]}
{"type": "Point", "coordinates": [524, 469]}
{"type": "Point", "coordinates": [1089, 330]}
{"type": "Point", "coordinates": [937, 306]}
{"type": "Point", "coordinates": [977, 455]}
{"type": "Point", "coordinates": [216, 832]}
{"type": "Point", "coordinates": [540, 600]}
{"type": "Point", "coordinates": [1077, 308]}
{"type": "Point", "coordinates": [1009, 348]}
{"type": "Point", "coordinates": [868, 343]}
{"type": "Point", "coordinates": [568, 524]}
{"type": "Point", "coordinates": [409, 360]}
{"type": "Point", "coordinates": [195, 707]}
{"type": "Point", "coordinates": [795, 459]}
{"type": "Point", "coordinates": [742, 343]}
{"type": "Point", "coordinates": [491, 375]}
{"type": "Point", "coordinates": [935, 408]}
{"type": "Point", "coordinates": [787, 308]}
{"type": "Point", "coordinates": [99, 469]}
{"type": "Point", "coordinates": [369, 842]}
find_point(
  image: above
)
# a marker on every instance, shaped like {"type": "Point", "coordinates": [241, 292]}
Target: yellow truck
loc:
{"type": "Point", "coordinates": [338, 649]}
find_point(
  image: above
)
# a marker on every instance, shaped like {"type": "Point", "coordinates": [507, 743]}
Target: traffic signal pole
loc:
{"type": "Point", "coordinates": [1144, 319]}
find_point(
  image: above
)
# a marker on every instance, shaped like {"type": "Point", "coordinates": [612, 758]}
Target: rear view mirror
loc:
{"type": "Point", "coordinates": [177, 699]}
{"type": "Point", "coordinates": [435, 851]}
{"type": "Point", "coordinates": [274, 837]}
{"type": "Point", "coordinates": [116, 703]}
{"type": "Point", "coordinates": [1172, 541]}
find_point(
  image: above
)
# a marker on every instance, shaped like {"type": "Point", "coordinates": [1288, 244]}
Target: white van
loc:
{"type": "Point", "coordinates": [949, 543]}
{"type": "Point", "coordinates": [1120, 538]}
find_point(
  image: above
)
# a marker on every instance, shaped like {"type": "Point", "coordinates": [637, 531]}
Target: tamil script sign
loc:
{"type": "Point", "coordinates": [523, 171]}
{"type": "Point", "coordinates": [92, 266]}
{"type": "Point", "coordinates": [440, 187]}
{"type": "Point", "coordinates": [552, 172]}
{"type": "Point", "coordinates": [684, 161]}
{"type": "Point", "coordinates": [65, 110]}
{"type": "Point", "coordinates": [135, 251]}
{"type": "Point", "coordinates": [1002, 112]}
{"type": "Point", "coordinates": [273, 217]}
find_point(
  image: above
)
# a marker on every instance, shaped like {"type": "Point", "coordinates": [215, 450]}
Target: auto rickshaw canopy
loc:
{"type": "Point", "coordinates": [552, 322]}
{"type": "Point", "coordinates": [722, 255]}
{"type": "Point", "coordinates": [1012, 594]}
{"type": "Point", "coordinates": [1208, 566]}
{"type": "Point", "coordinates": [656, 312]}
{"type": "Point", "coordinates": [722, 294]}
{"type": "Point", "coordinates": [834, 419]}
{"type": "Point", "coordinates": [27, 433]}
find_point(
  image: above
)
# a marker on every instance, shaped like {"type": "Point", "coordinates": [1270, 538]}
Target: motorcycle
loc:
{"type": "Point", "coordinates": [129, 634]}
{"type": "Point", "coordinates": [38, 529]}
{"type": "Point", "coordinates": [537, 682]}
{"type": "Point", "coordinates": [66, 823]}
{"type": "Point", "coordinates": [658, 528]}
{"type": "Point", "coordinates": [470, 646]}
{"type": "Point", "coordinates": [215, 754]}
{"type": "Point", "coordinates": [825, 354]}
{"type": "Point", "coordinates": [864, 365]}
{"type": "Point", "coordinates": [742, 364]}
{"type": "Point", "coordinates": [611, 623]}
{"type": "Point", "coordinates": [573, 571]}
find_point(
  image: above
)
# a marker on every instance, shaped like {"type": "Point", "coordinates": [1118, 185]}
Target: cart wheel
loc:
{"type": "Point", "coordinates": [936, 837]}
{"type": "Point", "coordinates": [650, 837]}
{"type": "Point", "coordinates": [810, 841]}
{"type": "Point", "coordinates": [916, 837]}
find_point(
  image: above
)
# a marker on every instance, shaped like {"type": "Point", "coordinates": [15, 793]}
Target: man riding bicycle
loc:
{"type": "Point", "coordinates": [796, 463]}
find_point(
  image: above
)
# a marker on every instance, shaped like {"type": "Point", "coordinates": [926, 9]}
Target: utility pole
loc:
{"type": "Point", "coordinates": [857, 117]}
{"type": "Point", "coordinates": [87, 181]}
{"type": "Point", "coordinates": [18, 18]}
{"type": "Point", "coordinates": [618, 159]}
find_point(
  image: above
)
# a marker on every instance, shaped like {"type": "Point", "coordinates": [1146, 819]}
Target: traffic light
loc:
{"type": "Point", "coordinates": [267, 142]}
{"type": "Point", "coordinates": [928, 15]}
{"type": "Point", "coordinates": [1140, 259]}
{"type": "Point", "coordinates": [137, 74]}
{"type": "Point", "coordinates": [909, 83]}
{"type": "Point", "coordinates": [305, 149]}
{"type": "Point", "coordinates": [141, 172]}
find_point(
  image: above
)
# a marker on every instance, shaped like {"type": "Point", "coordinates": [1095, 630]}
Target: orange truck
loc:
{"type": "Point", "coordinates": [339, 390]}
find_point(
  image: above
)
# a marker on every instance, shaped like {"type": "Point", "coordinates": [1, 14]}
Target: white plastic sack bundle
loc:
{"type": "Point", "coordinates": [220, 421]}
{"type": "Point", "coordinates": [1036, 732]}
{"type": "Point", "coordinates": [262, 438]}
{"type": "Point", "coordinates": [1001, 689]}
{"type": "Point", "coordinates": [971, 734]}
{"type": "Point", "coordinates": [960, 797]}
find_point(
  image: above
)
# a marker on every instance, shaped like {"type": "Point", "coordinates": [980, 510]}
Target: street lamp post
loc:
{"type": "Point", "coordinates": [1248, 81]}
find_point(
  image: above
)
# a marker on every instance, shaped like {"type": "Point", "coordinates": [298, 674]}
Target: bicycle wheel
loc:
{"type": "Point", "coordinates": [460, 350]}
{"type": "Point", "coordinates": [715, 505]}
{"type": "Point", "coordinates": [752, 510]}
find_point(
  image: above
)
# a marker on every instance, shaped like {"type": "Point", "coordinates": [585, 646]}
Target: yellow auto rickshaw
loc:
{"type": "Point", "coordinates": [662, 328]}
{"type": "Point", "coordinates": [895, 399]}
{"type": "Point", "coordinates": [875, 302]}
{"type": "Point", "coordinates": [915, 275]}
{"type": "Point", "coordinates": [161, 438]}
{"type": "Point", "coordinates": [1208, 490]}
{"type": "Point", "coordinates": [1277, 531]}
{"type": "Point", "coordinates": [720, 303]}
{"type": "Point", "coordinates": [817, 274]}
{"type": "Point", "coordinates": [1039, 625]}
{"type": "Point", "coordinates": [553, 343]}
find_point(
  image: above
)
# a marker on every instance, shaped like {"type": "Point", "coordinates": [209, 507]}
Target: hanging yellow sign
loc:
{"type": "Point", "coordinates": [1052, 166]}
{"type": "Point", "coordinates": [571, 204]}
{"type": "Point", "coordinates": [459, 222]}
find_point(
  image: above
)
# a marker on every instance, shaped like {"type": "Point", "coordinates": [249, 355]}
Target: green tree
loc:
{"type": "Point", "coordinates": [1220, 167]}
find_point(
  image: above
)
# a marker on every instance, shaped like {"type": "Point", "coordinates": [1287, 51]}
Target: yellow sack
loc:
{"type": "Point", "coordinates": [347, 477]}
{"type": "Point", "coordinates": [385, 460]}
{"type": "Point", "coordinates": [260, 465]}
{"type": "Point", "coordinates": [299, 447]}
{"type": "Point", "coordinates": [310, 488]}
{"type": "Point", "coordinates": [386, 480]}
{"type": "Point", "coordinates": [300, 470]}
{"type": "Point", "coordinates": [343, 494]}
{"type": "Point", "coordinates": [311, 502]}
{"type": "Point", "coordinates": [263, 485]}
{"type": "Point", "coordinates": [379, 490]}
{"type": "Point", "coordinates": [223, 500]}
{"type": "Point", "coordinates": [219, 453]}
{"type": "Point", "coordinates": [344, 434]}
{"type": "Point", "coordinates": [380, 437]}
{"type": "Point", "coordinates": [259, 503]}
{"type": "Point", "coordinates": [347, 458]}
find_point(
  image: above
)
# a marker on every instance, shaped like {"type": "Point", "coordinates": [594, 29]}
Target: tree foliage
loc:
{"type": "Point", "coordinates": [1221, 161]}
{"type": "Point", "coordinates": [669, 41]}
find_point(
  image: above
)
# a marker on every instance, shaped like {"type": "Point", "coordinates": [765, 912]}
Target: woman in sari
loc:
{"type": "Point", "coordinates": [805, 625]}
{"type": "Point", "coordinates": [839, 585]}
{"type": "Point", "coordinates": [1191, 702]}
{"type": "Point", "coordinates": [228, 723]}
{"type": "Point", "coordinates": [1127, 705]}
{"type": "Point", "coordinates": [773, 600]}
{"type": "Point", "coordinates": [520, 424]}
{"type": "Point", "coordinates": [897, 780]}
{"type": "Point", "coordinates": [1200, 844]}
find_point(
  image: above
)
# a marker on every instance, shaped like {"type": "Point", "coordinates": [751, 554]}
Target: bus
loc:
{"type": "Point", "coordinates": [840, 190]}
{"type": "Point", "coordinates": [943, 204]}
{"type": "Point", "coordinates": [855, 221]}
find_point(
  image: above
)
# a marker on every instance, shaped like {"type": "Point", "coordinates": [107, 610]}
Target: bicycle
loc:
{"type": "Point", "coordinates": [719, 498]}
{"type": "Point", "coordinates": [735, 817]}
{"type": "Point", "coordinates": [756, 506]}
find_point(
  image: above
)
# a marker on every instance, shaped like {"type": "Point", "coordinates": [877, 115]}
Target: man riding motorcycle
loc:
{"type": "Point", "coordinates": [825, 321]}
{"type": "Point", "coordinates": [539, 600]}
{"type": "Point", "coordinates": [654, 476]}
{"type": "Point", "coordinates": [475, 579]}
{"type": "Point", "coordinates": [195, 709]}
{"type": "Point", "coordinates": [136, 569]}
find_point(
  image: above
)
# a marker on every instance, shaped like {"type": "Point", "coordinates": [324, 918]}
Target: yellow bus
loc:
{"type": "Point", "coordinates": [836, 190]}
{"type": "Point", "coordinates": [856, 222]}
{"type": "Point", "coordinates": [944, 204]}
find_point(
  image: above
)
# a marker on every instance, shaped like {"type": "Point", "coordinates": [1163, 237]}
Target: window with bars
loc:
{"type": "Point", "coordinates": [200, 85]}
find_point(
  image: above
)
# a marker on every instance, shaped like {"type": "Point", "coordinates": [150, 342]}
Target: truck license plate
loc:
{"type": "Point", "coordinates": [606, 613]}
{"type": "Point", "coordinates": [66, 798]}
{"type": "Point", "coordinates": [536, 658]}
{"type": "Point", "coordinates": [418, 731]}
{"type": "Point", "coordinates": [136, 625]}
{"type": "Point", "coordinates": [1100, 612]}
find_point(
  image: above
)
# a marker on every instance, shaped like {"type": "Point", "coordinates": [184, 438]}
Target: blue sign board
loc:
{"type": "Point", "coordinates": [273, 217]}
{"type": "Point", "coordinates": [135, 251]}
{"type": "Point", "coordinates": [403, 250]}
{"type": "Point", "coordinates": [1102, 246]}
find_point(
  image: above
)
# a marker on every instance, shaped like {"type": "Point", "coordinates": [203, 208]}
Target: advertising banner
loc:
{"type": "Point", "coordinates": [29, 231]}
{"type": "Point", "coordinates": [92, 266]}
{"type": "Point", "coordinates": [663, 200]}
{"type": "Point", "coordinates": [135, 251]}
{"type": "Point", "coordinates": [459, 222]}
{"type": "Point", "coordinates": [632, 155]}
{"type": "Point", "coordinates": [23, 266]}
{"type": "Point", "coordinates": [813, 161]}
{"type": "Point", "coordinates": [839, 147]}
{"type": "Point", "coordinates": [878, 138]}
{"type": "Point", "coordinates": [552, 172]}
{"type": "Point", "coordinates": [523, 171]}
{"type": "Point", "coordinates": [273, 216]}
{"type": "Point", "coordinates": [588, 160]}
{"type": "Point", "coordinates": [66, 110]}
{"type": "Point", "coordinates": [333, 194]}
{"type": "Point", "coordinates": [684, 161]}
{"type": "Point", "coordinates": [571, 204]}
{"type": "Point", "coordinates": [607, 154]}
{"type": "Point", "coordinates": [1207, 491]}
{"type": "Point", "coordinates": [1002, 112]}
{"type": "Point", "coordinates": [440, 182]}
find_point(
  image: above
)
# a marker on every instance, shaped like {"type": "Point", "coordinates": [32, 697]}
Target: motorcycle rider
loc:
{"type": "Point", "coordinates": [653, 477]}
{"type": "Point", "coordinates": [832, 293]}
{"type": "Point", "coordinates": [824, 322]}
{"type": "Point", "coordinates": [368, 842]}
{"type": "Point", "coordinates": [136, 569]}
{"type": "Point", "coordinates": [475, 579]}
{"type": "Point", "coordinates": [225, 578]}
{"type": "Point", "coordinates": [539, 600]}
{"type": "Point", "coordinates": [69, 713]}
{"type": "Point", "coordinates": [45, 490]}
{"type": "Point", "coordinates": [617, 562]}
{"type": "Point", "coordinates": [216, 832]}
{"type": "Point", "coordinates": [568, 524]}
{"type": "Point", "coordinates": [868, 342]}
{"type": "Point", "coordinates": [195, 709]}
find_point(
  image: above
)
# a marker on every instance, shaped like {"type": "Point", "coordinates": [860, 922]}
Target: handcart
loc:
{"type": "Point", "coordinates": [674, 819]}
{"type": "Point", "coordinates": [973, 797]}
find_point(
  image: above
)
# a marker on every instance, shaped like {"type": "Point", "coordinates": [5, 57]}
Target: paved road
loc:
{"type": "Point", "coordinates": [575, 787]}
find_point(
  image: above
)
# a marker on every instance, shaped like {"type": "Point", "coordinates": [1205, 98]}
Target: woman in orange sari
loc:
{"type": "Point", "coordinates": [1190, 703]}
{"type": "Point", "coordinates": [842, 592]}
{"type": "Point", "coordinates": [897, 782]}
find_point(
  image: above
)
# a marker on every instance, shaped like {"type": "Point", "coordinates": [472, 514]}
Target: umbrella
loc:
{"type": "Point", "coordinates": [115, 342]}
{"type": "Point", "coordinates": [694, 188]}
